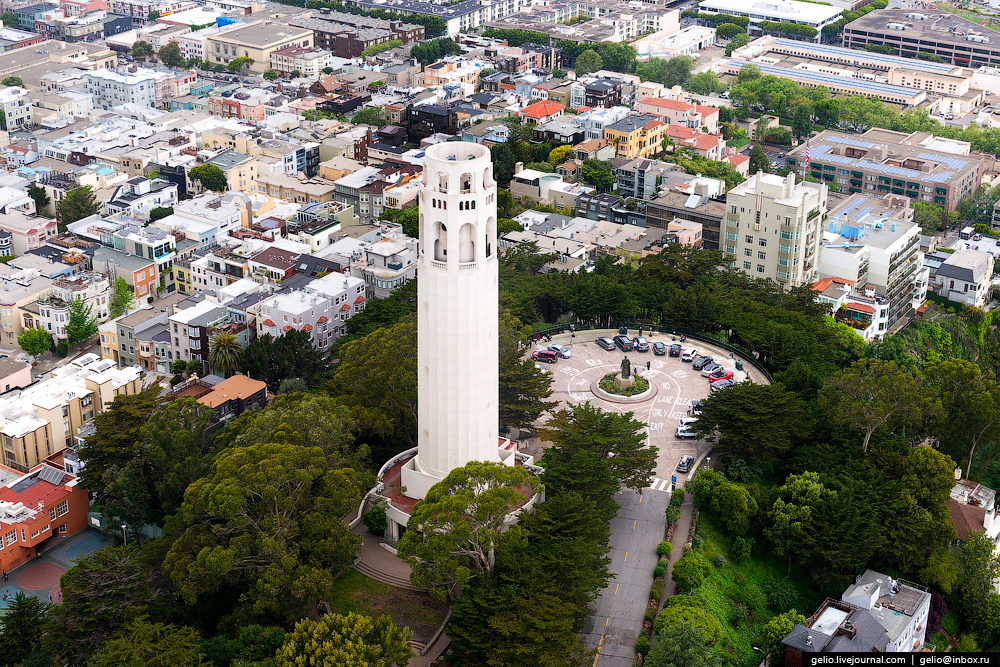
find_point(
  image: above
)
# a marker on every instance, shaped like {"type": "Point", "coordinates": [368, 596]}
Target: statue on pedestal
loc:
{"type": "Point", "coordinates": [626, 368]}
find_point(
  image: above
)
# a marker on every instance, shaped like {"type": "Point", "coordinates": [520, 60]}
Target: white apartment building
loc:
{"type": "Point", "coordinates": [307, 60]}
{"type": "Point", "coordinates": [873, 244]}
{"type": "Point", "coordinates": [773, 228]}
{"type": "Point", "coordinates": [141, 195]}
{"type": "Point", "coordinates": [594, 121]}
{"type": "Point", "coordinates": [110, 88]}
{"type": "Point", "coordinates": [322, 309]}
{"type": "Point", "coordinates": [387, 264]}
{"type": "Point", "coordinates": [189, 329]}
{"type": "Point", "coordinates": [16, 105]}
{"type": "Point", "coordinates": [53, 310]}
{"type": "Point", "coordinates": [138, 10]}
{"type": "Point", "coordinates": [195, 44]}
{"type": "Point", "coordinates": [778, 11]}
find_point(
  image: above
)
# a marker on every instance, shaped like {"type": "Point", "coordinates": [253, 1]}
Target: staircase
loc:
{"type": "Point", "coordinates": [378, 575]}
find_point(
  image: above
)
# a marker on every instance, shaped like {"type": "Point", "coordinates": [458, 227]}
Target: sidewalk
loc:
{"type": "Point", "coordinates": [681, 532]}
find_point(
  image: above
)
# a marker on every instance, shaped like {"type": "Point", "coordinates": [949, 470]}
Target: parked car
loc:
{"type": "Point", "coordinates": [685, 463]}
{"type": "Point", "coordinates": [685, 427]}
{"type": "Point", "coordinates": [545, 355]}
{"type": "Point", "coordinates": [605, 342]}
{"type": "Point", "coordinates": [675, 349]}
{"type": "Point", "coordinates": [701, 362]}
{"type": "Point", "coordinates": [659, 349]}
{"type": "Point", "coordinates": [709, 369]}
{"type": "Point", "coordinates": [689, 354]}
{"type": "Point", "coordinates": [719, 375]}
{"type": "Point", "coordinates": [695, 407]}
{"type": "Point", "coordinates": [640, 344]}
{"type": "Point", "coordinates": [623, 343]}
{"type": "Point", "coordinates": [561, 350]}
{"type": "Point", "coordinates": [720, 385]}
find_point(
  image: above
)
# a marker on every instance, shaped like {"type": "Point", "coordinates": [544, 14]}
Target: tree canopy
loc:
{"type": "Point", "coordinates": [351, 639]}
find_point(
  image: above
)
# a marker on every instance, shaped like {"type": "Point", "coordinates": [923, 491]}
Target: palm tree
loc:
{"type": "Point", "coordinates": [225, 354]}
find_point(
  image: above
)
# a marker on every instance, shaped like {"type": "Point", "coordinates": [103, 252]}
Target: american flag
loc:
{"type": "Point", "coordinates": [807, 155]}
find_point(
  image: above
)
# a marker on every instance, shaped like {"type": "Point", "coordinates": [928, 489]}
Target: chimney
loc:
{"type": "Point", "coordinates": [519, 167]}
{"type": "Point", "coordinates": [965, 497]}
{"type": "Point", "coordinates": [809, 638]}
{"type": "Point", "coordinates": [847, 629]}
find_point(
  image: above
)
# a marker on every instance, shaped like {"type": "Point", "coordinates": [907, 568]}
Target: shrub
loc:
{"type": "Point", "coordinates": [966, 644]}
{"type": "Point", "coordinates": [737, 614]}
{"type": "Point", "coordinates": [696, 541]}
{"type": "Point", "coordinates": [677, 497]}
{"type": "Point", "coordinates": [62, 349]}
{"type": "Point", "coordinates": [742, 546]}
{"type": "Point", "coordinates": [749, 595]}
{"type": "Point", "coordinates": [660, 568]}
{"type": "Point", "coordinates": [718, 560]}
{"type": "Point", "coordinates": [672, 513]}
{"type": "Point", "coordinates": [684, 601]}
{"type": "Point", "coordinates": [664, 548]}
{"type": "Point", "coordinates": [650, 613]}
{"type": "Point", "coordinates": [697, 617]}
{"type": "Point", "coordinates": [951, 622]}
{"type": "Point", "coordinates": [781, 593]}
{"type": "Point", "coordinates": [642, 645]}
{"type": "Point", "coordinates": [656, 590]}
{"type": "Point", "coordinates": [376, 521]}
{"type": "Point", "coordinates": [176, 380]}
{"type": "Point", "coordinates": [940, 641]}
{"type": "Point", "coordinates": [937, 612]}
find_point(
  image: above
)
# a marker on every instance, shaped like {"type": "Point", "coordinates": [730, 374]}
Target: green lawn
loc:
{"type": "Point", "coordinates": [744, 581]}
{"type": "Point", "coordinates": [363, 595]}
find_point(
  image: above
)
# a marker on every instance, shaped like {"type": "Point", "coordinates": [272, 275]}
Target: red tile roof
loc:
{"type": "Point", "coordinates": [821, 285]}
{"type": "Point", "coordinates": [360, 299]}
{"type": "Point", "coordinates": [287, 327]}
{"type": "Point", "coordinates": [307, 327]}
{"type": "Point", "coordinates": [541, 109]}
{"type": "Point", "coordinates": [706, 111]}
{"type": "Point", "coordinates": [967, 518]}
{"type": "Point", "coordinates": [676, 105]}
{"type": "Point", "coordinates": [861, 308]}
{"type": "Point", "coordinates": [39, 493]}
{"type": "Point", "coordinates": [738, 159]}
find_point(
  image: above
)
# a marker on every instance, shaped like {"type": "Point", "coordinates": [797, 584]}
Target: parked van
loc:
{"type": "Point", "coordinates": [690, 354]}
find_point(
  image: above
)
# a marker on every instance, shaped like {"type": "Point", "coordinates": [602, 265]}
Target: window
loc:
{"type": "Point", "coordinates": [52, 514]}
{"type": "Point", "coordinates": [760, 268]}
{"type": "Point", "coordinates": [62, 529]}
{"type": "Point", "coordinates": [761, 254]}
{"type": "Point", "coordinates": [748, 252]}
{"type": "Point", "coordinates": [746, 265]}
{"type": "Point", "coordinates": [749, 240]}
{"type": "Point", "coordinates": [62, 508]}
{"type": "Point", "coordinates": [762, 243]}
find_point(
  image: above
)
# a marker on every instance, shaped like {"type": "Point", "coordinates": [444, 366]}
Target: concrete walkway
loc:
{"type": "Point", "coordinates": [679, 539]}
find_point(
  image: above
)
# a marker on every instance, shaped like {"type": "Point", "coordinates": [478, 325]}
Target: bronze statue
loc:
{"type": "Point", "coordinates": [626, 368]}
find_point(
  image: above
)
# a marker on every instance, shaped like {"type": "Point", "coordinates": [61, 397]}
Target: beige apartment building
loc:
{"type": "Point", "coordinates": [310, 191]}
{"type": "Point", "coordinates": [255, 40]}
{"type": "Point", "coordinates": [773, 227]}
{"type": "Point", "coordinates": [921, 166]}
{"type": "Point", "coordinates": [45, 418]}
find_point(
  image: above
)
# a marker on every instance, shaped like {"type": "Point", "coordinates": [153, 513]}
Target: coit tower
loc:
{"type": "Point", "coordinates": [457, 324]}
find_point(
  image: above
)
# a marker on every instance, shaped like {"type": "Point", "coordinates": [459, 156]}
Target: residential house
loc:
{"type": "Point", "coordinates": [676, 112]}
{"type": "Point", "coordinates": [92, 288]}
{"type": "Point", "coordinates": [541, 112]}
{"type": "Point", "coordinates": [965, 277]}
{"type": "Point", "coordinates": [635, 136]}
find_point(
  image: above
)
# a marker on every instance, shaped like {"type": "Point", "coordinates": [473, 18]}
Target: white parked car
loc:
{"type": "Point", "coordinates": [685, 427]}
{"type": "Point", "coordinates": [561, 350]}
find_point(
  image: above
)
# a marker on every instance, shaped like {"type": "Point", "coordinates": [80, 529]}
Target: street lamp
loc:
{"type": "Point", "coordinates": [708, 461]}
{"type": "Point", "coordinates": [757, 648]}
{"type": "Point", "coordinates": [124, 537]}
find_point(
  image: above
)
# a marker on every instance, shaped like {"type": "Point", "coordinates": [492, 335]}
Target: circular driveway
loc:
{"type": "Point", "coordinates": [676, 382]}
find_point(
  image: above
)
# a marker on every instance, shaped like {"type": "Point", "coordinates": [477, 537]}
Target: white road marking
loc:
{"type": "Point", "coordinates": [656, 480]}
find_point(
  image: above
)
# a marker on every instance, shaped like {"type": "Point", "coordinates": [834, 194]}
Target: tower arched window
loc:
{"type": "Point", "coordinates": [473, 204]}
{"type": "Point", "coordinates": [466, 243]}
{"type": "Point", "coordinates": [466, 183]}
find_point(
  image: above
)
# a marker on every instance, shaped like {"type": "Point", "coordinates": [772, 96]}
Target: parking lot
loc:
{"type": "Point", "coordinates": [676, 383]}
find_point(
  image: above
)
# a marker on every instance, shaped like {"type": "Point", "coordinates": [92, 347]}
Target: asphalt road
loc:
{"type": "Point", "coordinates": [616, 619]}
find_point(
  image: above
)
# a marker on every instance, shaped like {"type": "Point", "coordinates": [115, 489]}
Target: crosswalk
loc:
{"type": "Point", "coordinates": [659, 485]}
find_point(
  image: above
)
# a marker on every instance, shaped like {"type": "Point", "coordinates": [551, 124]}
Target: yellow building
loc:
{"type": "Point", "coordinates": [255, 40]}
{"type": "Point", "coordinates": [182, 278]}
{"type": "Point", "coordinates": [637, 136]}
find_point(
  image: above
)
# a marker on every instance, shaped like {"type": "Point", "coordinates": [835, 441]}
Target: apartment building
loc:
{"type": "Point", "coordinates": [322, 309]}
{"type": "Point", "coordinates": [45, 418]}
{"type": "Point", "coordinates": [110, 88]}
{"type": "Point", "coordinates": [774, 227]}
{"type": "Point", "coordinates": [922, 167]}
{"type": "Point", "coordinates": [676, 112]}
{"type": "Point", "coordinates": [283, 186]}
{"type": "Point", "coordinates": [139, 196]}
{"type": "Point", "coordinates": [873, 245]}
{"type": "Point", "coordinates": [257, 41]}
{"type": "Point", "coordinates": [149, 243]}
{"type": "Point", "coordinates": [783, 11]}
{"type": "Point", "coordinates": [139, 10]}
{"type": "Point", "coordinates": [92, 288]}
{"type": "Point", "coordinates": [594, 121]}
{"type": "Point", "coordinates": [641, 178]}
{"type": "Point", "coordinates": [27, 231]}
{"type": "Point", "coordinates": [191, 326]}
{"type": "Point", "coordinates": [640, 135]}
{"type": "Point", "coordinates": [315, 224]}
{"type": "Point", "coordinates": [138, 272]}
{"type": "Point", "coordinates": [16, 105]}
{"type": "Point", "coordinates": [387, 264]}
{"type": "Point", "coordinates": [347, 35]}
{"type": "Point", "coordinates": [21, 290]}
{"type": "Point", "coordinates": [309, 62]}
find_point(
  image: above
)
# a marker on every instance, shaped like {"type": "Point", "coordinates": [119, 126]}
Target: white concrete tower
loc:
{"type": "Point", "coordinates": [457, 327]}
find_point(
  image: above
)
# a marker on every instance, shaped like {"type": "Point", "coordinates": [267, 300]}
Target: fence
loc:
{"type": "Point", "coordinates": [747, 355]}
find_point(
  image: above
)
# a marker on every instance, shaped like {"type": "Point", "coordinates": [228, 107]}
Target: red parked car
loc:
{"type": "Point", "coordinates": [545, 355]}
{"type": "Point", "coordinates": [721, 374]}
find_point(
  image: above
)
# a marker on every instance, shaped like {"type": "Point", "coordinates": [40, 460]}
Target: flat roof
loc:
{"type": "Point", "coordinates": [829, 80]}
{"type": "Point", "coordinates": [785, 9]}
{"type": "Point", "coordinates": [866, 56]}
